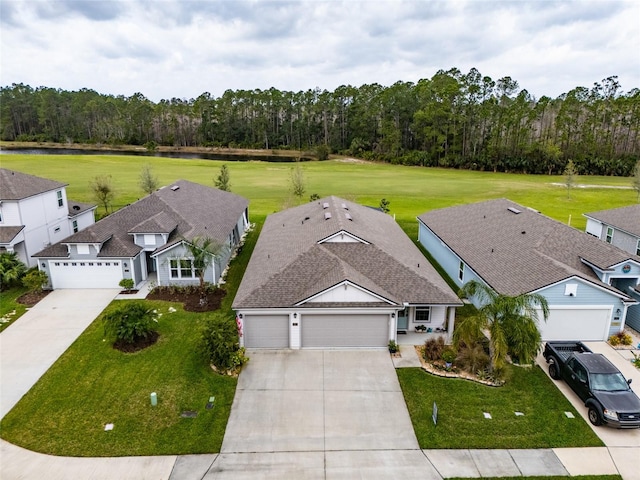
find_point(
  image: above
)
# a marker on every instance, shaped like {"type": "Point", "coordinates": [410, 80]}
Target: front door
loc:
{"type": "Point", "coordinates": [403, 320]}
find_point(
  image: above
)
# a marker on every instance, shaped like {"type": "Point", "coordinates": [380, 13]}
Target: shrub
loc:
{"type": "Point", "coordinates": [473, 359]}
{"type": "Point", "coordinates": [11, 269]}
{"type": "Point", "coordinates": [625, 338]}
{"type": "Point", "coordinates": [614, 340]}
{"type": "Point", "coordinates": [220, 345]}
{"type": "Point", "coordinates": [35, 280]}
{"type": "Point", "coordinates": [129, 322]}
{"type": "Point", "coordinates": [448, 355]}
{"type": "Point", "coordinates": [393, 346]}
{"type": "Point", "coordinates": [126, 283]}
{"type": "Point", "coordinates": [433, 348]}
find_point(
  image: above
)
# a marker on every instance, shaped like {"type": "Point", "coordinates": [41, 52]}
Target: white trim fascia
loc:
{"type": "Point", "coordinates": [622, 296]}
{"type": "Point", "coordinates": [593, 266]}
{"type": "Point", "coordinates": [342, 232]}
{"type": "Point", "coordinates": [629, 260]}
{"type": "Point", "coordinates": [605, 224]}
{"type": "Point", "coordinates": [338, 285]}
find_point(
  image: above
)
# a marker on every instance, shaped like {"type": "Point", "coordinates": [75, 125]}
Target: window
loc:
{"type": "Point", "coordinates": [609, 236]}
{"type": "Point", "coordinates": [0, 216]}
{"type": "Point", "coordinates": [422, 315]}
{"type": "Point", "coordinates": [60, 200]}
{"type": "Point", "coordinates": [75, 226]}
{"type": "Point", "coordinates": [181, 268]}
{"type": "Point", "coordinates": [461, 270]}
{"type": "Point", "coordinates": [638, 248]}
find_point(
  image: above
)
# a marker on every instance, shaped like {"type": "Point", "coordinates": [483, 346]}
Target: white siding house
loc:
{"type": "Point", "coordinates": [35, 213]}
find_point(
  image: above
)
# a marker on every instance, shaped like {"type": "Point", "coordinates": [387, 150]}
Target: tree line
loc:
{"type": "Point", "coordinates": [450, 120]}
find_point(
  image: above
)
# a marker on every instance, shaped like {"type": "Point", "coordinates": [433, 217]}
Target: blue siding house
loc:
{"type": "Point", "coordinates": [515, 250]}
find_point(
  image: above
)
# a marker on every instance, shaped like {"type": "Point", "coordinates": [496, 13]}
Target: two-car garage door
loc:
{"type": "Point", "coordinates": [317, 331]}
{"type": "Point", "coordinates": [94, 274]}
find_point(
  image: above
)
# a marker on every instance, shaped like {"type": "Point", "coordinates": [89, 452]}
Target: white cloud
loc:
{"type": "Point", "coordinates": [173, 48]}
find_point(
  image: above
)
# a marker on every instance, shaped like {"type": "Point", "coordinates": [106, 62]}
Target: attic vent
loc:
{"type": "Point", "coordinates": [344, 205]}
{"type": "Point", "coordinates": [513, 210]}
{"type": "Point", "coordinates": [348, 216]}
{"type": "Point", "coordinates": [175, 187]}
{"type": "Point", "coordinates": [327, 215]}
{"type": "Point", "coordinates": [325, 205]}
{"type": "Point", "coordinates": [76, 207]}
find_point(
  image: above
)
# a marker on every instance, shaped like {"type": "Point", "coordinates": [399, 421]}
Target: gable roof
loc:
{"type": "Point", "coordinates": [18, 185]}
{"type": "Point", "coordinates": [8, 233]}
{"type": "Point", "coordinates": [520, 252]}
{"type": "Point", "coordinates": [185, 210]}
{"type": "Point", "coordinates": [625, 218]}
{"type": "Point", "coordinates": [291, 263]}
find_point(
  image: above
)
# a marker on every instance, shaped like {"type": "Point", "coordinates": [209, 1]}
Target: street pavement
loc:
{"type": "Point", "coordinates": [351, 425]}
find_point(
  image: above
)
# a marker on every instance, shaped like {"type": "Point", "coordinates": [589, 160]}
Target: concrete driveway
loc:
{"type": "Point", "coordinates": [316, 401]}
{"type": "Point", "coordinates": [35, 341]}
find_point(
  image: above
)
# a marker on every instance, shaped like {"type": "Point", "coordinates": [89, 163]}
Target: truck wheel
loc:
{"type": "Point", "coordinates": [553, 371]}
{"type": "Point", "coordinates": [594, 416]}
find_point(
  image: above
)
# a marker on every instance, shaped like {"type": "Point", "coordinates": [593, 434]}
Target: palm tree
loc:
{"type": "Point", "coordinates": [203, 251]}
{"type": "Point", "coordinates": [511, 322]}
{"type": "Point", "coordinates": [11, 269]}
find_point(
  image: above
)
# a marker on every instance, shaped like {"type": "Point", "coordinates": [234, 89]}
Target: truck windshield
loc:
{"type": "Point", "coordinates": [608, 382]}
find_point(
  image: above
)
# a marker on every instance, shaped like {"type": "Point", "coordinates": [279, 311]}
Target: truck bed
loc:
{"type": "Point", "coordinates": [563, 350]}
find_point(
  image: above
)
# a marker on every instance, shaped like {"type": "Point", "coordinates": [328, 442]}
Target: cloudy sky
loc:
{"type": "Point", "coordinates": [172, 48]}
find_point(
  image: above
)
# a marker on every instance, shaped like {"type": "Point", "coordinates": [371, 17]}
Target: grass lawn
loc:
{"type": "Point", "coordinates": [10, 309]}
{"type": "Point", "coordinates": [462, 404]}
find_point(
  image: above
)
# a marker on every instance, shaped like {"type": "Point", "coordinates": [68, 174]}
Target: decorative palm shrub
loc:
{"type": "Point", "coordinates": [11, 269]}
{"type": "Point", "coordinates": [129, 322]}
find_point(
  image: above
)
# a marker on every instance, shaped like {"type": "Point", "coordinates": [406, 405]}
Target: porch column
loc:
{"type": "Point", "coordinates": [451, 321]}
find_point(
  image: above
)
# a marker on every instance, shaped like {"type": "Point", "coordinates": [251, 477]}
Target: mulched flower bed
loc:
{"type": "Point", "coordinates": [31, 298]}
{"type": "Point", "coordinates": [190, 300]}
{"type": "Point", "coordinates": [138, 345]}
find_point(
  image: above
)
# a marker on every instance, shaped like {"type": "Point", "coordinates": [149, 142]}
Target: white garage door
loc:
{"type": "Point", "coordinates": [584, 323]}
{"type": "Point", "coordinates": [266, 331]}
{"type": "Point", "coordinates": [94, 274]}
{"type": "Point", "coordinates": [342, 331]}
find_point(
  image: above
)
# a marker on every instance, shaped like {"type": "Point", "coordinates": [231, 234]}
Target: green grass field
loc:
{"type": "Point", "coordinates": [411, 190]}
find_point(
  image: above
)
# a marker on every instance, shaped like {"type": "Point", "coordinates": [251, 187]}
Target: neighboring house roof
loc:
{"type": "Point", "coordinates": [626, 218]}
{"type": "Point", "coordinates": [291, 263]}
{"type": "Point", "coordinates": [76, 208]}
{"type": "Point", "coordinates": [186, 210]}
{"type": "Point", "coordinates": [17, 185]}
{"type": "Point", "coordinates": [520, 252]}
{"type": "Point", "coordinates": [9, 233]}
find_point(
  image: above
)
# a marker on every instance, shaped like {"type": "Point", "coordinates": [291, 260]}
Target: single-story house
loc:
{"type": "Point", "coordinates": [620, 227]}
{"type": "Point", "coordinates": [332, 274]}
{"type": "Point", "coordinates": [516, 250]}
{"type": "Point", "coordinates": [149, 236]}
{"type": "Point", "coordinates": [35, 213]}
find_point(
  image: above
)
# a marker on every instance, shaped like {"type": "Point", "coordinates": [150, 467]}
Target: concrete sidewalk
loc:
{"type": "Point", "coordinates": [36, 340]}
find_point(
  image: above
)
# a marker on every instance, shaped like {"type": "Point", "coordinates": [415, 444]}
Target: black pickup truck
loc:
{"type": "Point", "coordinates": [597, 382]}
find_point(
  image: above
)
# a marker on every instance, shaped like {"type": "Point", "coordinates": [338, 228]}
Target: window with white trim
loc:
{"type": "Point", "coordinates": [75, 226]}
{"type": "Point", "coordinates": [638, 248]}
{"type": "Point", "coordinates": [422, 315]}
{"type": "Point", "coordinates": [461, 270]}
{"type": "Point", "coordinates": [60, 200]}
{"type": "Point", "coordinates": [181, 268]}
{"type": "Point", "coordinates": [609, 237]}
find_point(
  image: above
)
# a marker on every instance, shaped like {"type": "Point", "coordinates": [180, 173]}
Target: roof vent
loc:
{"type": "Point", "coordinates": [344, 205]}
{"type": "Point", "coordinates": [327, 215]}
{"type": "Point", "coordinates": [76, 207]}
{"type": "Point", "coordinates": [513, 210]}
{"type": "Point", "coordinates": [325, 205]}
{"type": "Point", "coordinates": [348, 216]}
{"type": "Point", "coordinates": [175, 187]}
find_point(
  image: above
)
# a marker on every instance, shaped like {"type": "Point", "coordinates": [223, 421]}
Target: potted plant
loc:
{"type": "Point", "coordinates": [421, 328]}
{"type": "Point", "coordinates": [448, 356]}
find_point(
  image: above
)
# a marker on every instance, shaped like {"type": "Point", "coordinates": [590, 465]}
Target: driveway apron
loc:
{"type": "Point", "coordinates": [318, 401]}
{"type": "Point", "coordinates": [35, 341]}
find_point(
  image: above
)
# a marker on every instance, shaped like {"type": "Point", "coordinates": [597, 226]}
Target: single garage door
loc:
{"type": "Point", "coordinates": [266, 331]}
{"type": "Point", "coordinates": [588, 324]}
{"type": "Point", "coordinates": [342, 331]}
{"type": "Point", "coordinates": [93, 274]}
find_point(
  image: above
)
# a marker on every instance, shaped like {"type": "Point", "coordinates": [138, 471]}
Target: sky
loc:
{"type": "Point", "coordinates": [180, 49]}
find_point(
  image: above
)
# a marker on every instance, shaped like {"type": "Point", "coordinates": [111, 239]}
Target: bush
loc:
{"type": "Point", "coordinates": [35, 280]}
{"type": "Point", "coordinates": [473, 359]}
{"type": "Point", "coordinates": [129, 322]}
{"type": "Point", "coordinates": [433, 349]}
{"type": "Point", "coordinates": [11, 269]}
{"type": "Point", "coordinates": [220, 345]}
{"type": "Point", "coordinates": [126, 283]}
{"type": "Point", "coordinates": [614, 340]}
{"type": "Point", "coordinates": [620, 338]}
{"type": "Point", "coordinates": [393, 346]}
{"type": "Point", "coordinates": [448, 355]}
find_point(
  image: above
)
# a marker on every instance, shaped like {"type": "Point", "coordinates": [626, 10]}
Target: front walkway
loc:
{"type": "Point", "coordinates": [35, 341]}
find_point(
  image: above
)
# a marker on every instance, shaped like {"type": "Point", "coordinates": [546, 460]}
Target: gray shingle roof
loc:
{"type": "Point", "coordinates": [18, 185]}
{"type": "Point", "coordinates": [8, 233]}
{"type": "Point", "coordinates": [193, 209]}
{"type": "Point", "coordinates": [625, 218]}
{"type": "Point", "coordinates": [76, 208]}
{"type": "Point", "coordinates": [520, 253]}
{"type": "Point", "coordinates": [289, 266]}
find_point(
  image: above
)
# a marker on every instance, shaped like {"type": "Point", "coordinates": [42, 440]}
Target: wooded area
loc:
{"type": "Point", "coordinates": [450, 120]}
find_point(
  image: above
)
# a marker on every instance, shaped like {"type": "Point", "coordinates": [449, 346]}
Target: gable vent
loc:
{"type": "Point", "coordinates": [327, 215]}
{"type": "Point", "coordinates": [348, 217]}
{"type": "Point", "coordinates": [513, 210]}
{"type": "Point", "coordinates": [325, 205]}
{"type": "Point", "coordinates": [175, 187]}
